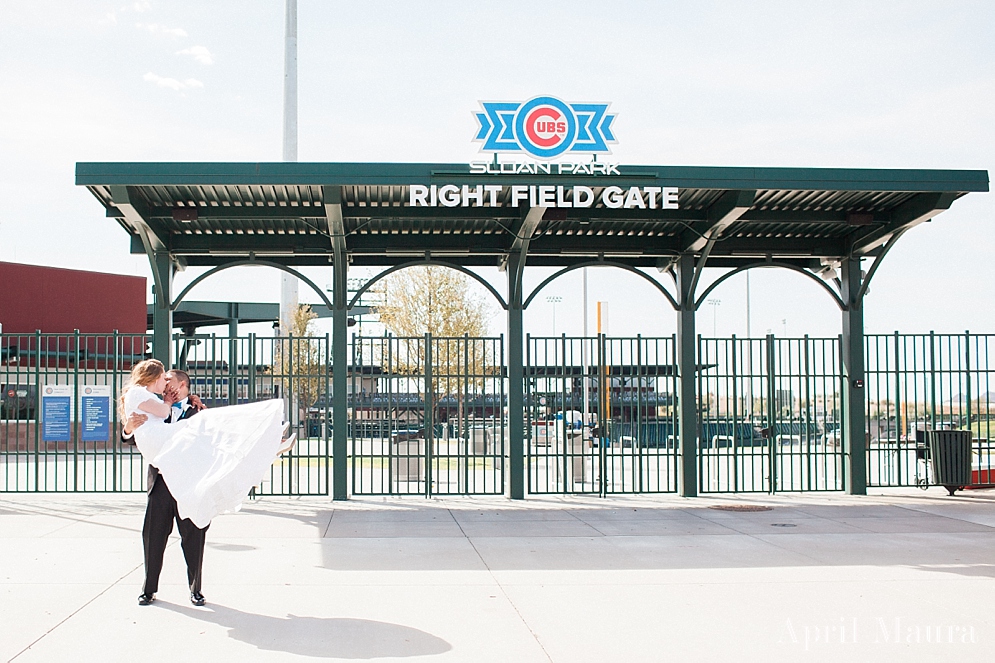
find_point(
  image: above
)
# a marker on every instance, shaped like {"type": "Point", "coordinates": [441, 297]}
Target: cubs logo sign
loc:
{"type": "Point", "coordinates": [544, 127]}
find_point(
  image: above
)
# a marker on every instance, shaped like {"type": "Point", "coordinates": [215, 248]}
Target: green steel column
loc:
{"type": "Point", "coordinates": [233, 354]}
{"type": "Point", "coordinates": [516, 381]}
{"type": "Point", "coordinates": [687, 477]}
{"type": "Point", "coordinates": [854, 425]}
{"type": "Point", "coordinates": [162, 315]}
{"type": "Point", "coordinates": [340, 381]}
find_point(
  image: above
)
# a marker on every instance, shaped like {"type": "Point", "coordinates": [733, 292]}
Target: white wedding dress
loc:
{"type": "Point", "coordinates": [210, 461]}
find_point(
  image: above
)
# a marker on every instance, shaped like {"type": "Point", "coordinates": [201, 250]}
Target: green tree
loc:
{"type": "Point", "coordinates": [441, 302]}
{"type": "Point", "coordinates": [300, 361]}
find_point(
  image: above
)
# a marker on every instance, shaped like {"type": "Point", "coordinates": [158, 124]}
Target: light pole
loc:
{"type": "Point", "coordinates": [288, 283]}
{"type": "Point", "coordinates": [714, 303]}
{"type": "Point", "coordinates": [748, 304]}
{"type": "Point", "coordinates": [554, 300]}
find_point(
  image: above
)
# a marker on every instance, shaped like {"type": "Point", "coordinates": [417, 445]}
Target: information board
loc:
{"type": "Point", "coordinates": [56, 413]}
{"type": "Point", "coordinates": [95, 408]}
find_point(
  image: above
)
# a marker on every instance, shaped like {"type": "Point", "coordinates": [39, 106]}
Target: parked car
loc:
{"type": "Point", "coordinates": [17, 401]}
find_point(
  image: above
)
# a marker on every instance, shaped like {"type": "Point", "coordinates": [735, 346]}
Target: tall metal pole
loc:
{"type": "Point", "coordinates": [162, 314]}
{"type": "Point", "coordinates": [687, 476]}
{"type": "Point", "coordinates": [516, 382]}
{"type": "Point", "coordinates": [583, 353]}
{"type": "Point", "coordinates": [340, 379]}
{"type": "Point", "coordinates": [749, 356]}
{"type": "Point", "coordinates": [288, 283]}
{"type": "Point", "coordinates": [854, 423]}
{"type": "Point", "coordinates": [747, 304]}
{"type": "Point", "coordinates": [290, 83]}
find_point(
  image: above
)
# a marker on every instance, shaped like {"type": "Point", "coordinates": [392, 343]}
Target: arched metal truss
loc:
{"type": "Point", "coordinates": [825, 286]}
{"type": "Point", "coordinates": [440, 263]}
{"type": "Point", "coordinates": [602, 263]}
{"type": "Point", "coordinates": [874, 268]}
{"type": "Point", "coordinates": [260, 263]}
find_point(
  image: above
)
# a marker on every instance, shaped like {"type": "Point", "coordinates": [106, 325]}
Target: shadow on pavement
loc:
{"type": "Point", "coordinates": [230, 547]}
{"type": "Point", "coordinates": [320, 637]}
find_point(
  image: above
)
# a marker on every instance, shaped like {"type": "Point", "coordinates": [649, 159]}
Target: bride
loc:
{"type": "Point", "coordinates": [210, 461]}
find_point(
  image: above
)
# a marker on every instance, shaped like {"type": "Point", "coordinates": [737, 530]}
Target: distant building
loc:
{"type": "Point", "coordinates": [58, 301]}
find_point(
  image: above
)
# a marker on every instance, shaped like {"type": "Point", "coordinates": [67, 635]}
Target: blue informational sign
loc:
{"type": "Point", "coordinates": [56, 413]}
{"type": "Point", "coordinates": [95, 408]}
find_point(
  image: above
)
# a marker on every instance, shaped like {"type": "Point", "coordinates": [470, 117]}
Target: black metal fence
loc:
{"type": "Point", "coordinates": [428, 416]}
{"type": "Point", "coordinates": [59, 450]}
{"type": "Point", "coordinates": [769, 415]}
{"type": "Point", "coordinates": [227, 371]}
{"type": "Point", "coordinates": [927, 381]}
{"type": "Point", "coordinates": [600, 415]}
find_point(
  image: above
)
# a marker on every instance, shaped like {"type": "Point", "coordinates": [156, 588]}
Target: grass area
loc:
{"type": "Point", "coordinates": [381, 462]}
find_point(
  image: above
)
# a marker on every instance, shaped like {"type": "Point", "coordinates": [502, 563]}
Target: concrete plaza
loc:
{"type": "Point", "coordinates": [899, 576]}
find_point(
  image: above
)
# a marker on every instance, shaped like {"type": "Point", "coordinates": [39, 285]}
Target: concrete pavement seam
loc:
{"type": "Point", "coordinates": [497, 582]}
{"type": "Point", "coordinates": [75, 612]}
{"type": "Point", "coordinates": [324, 535]}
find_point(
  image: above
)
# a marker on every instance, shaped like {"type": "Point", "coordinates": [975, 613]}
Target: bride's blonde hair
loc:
{"type": "Point", "coordinates": [143, 374]}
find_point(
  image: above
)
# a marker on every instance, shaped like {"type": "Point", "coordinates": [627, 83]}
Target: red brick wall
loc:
{"type": "Point", "coordinates": [61, 300]}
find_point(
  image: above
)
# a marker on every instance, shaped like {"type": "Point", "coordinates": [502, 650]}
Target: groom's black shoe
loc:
{"type": "Point", "coordinates": [197, 598]}
{"type": "Point", "coordinates": [146, 599]}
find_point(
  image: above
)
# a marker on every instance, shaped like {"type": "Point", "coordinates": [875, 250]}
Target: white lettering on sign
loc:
{"type": "Point", "coordinates": [543, 168]}
{"type": "Point", "coordinates": [541, 195]}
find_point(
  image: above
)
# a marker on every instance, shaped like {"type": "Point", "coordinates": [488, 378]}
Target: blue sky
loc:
{"type": "Point", "coordinates": [835, 84]}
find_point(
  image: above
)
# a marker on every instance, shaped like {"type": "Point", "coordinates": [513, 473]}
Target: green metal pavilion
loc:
{"type": "Point", "coordinates": [821, 223]}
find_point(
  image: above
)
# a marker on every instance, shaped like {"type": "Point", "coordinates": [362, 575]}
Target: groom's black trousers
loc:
{"type": "Point", "coordinates": [159, 517]}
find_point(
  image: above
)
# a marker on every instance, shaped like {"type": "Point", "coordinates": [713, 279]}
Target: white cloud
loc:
{"type": "Point", "coordinates": [143, 5]}
{"type": "Point", "coordinates": [109, 17]}
{"type": "Point", "coordinates": [172, 83]}
{"type": "Point", "coordinates": [156, 28]}
{"type": "Point", "coordinates": [199, 53]}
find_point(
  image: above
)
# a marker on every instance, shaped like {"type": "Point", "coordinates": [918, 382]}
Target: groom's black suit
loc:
{"type": "Point", "coordinates": [159, 516]}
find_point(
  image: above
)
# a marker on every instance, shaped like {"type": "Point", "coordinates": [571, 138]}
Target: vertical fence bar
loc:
{"type": "Point", "coordinates": [428, 415]}
{"type": "Point", "coordinates": [772, 437]}
{"type": "Point", "coordinates": [967, 377]}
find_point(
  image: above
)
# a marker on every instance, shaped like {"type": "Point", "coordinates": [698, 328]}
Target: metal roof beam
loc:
{"type": "Point", "coordinates": [509, 213]}
{"type": "Point", "coordinates": [245, 244]}
{"type": "Point", "coordinates": [332, 197]}
{"type": "Point", "coordinates": [480, 260]}
{"type": "Point", "coordinates": [918, 209]}
{"type": "Point", "coordinates": [806, 216]}
{"type": "Point", "coordinates": [135, 214]}
{"type": "Point", "coordinates": [401, 174]}
{"type": "Point", "coordinates": [276, 213]}
{"type": "Point", "coordinates": [818, 247]}
{"type": "Point", "coordinates": [387, 244]}
{"type": "Point", "coordinates": [721, 214]}
{"type": "Point", "coordinates": [282, 213]}
{"type": "Point", "coordinates": [522, 231]}
{"type": "Point", "coordinates": [523, 228]}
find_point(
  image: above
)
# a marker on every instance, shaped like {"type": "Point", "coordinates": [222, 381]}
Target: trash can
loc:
{"type": "Point", "coordinates": [950, 455]}
{"type": "Point", "coordinates": [575, 445]}
{"type": "Point", "coordinates": [481, 438]}
{"type": "Point", "coordinates": [408, 460]}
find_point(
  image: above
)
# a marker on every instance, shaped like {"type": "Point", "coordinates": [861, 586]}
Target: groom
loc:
{"type": "Point", "coordinates": [161, 510]}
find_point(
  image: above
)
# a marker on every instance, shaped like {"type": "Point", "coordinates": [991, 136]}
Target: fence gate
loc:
{"type": "Point", "coordinates": [927, 381]}
{"type": "Point", "coordinates": [227, 371]}
{"type": "Point", "coordinates": [61, 450]}
{"type": "Point", "coordinates": [600, 415]}
{"type": "Point", "coordinates": [769, 415]}
{"type": "Point", "coordinates": [426, 416]}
